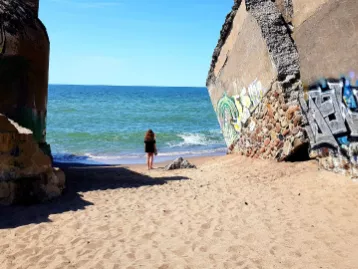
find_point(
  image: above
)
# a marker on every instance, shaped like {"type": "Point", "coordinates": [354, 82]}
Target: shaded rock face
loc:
{"type": "Point", "coordinates": [26, 173]}
{"type": "Point", "coordinates": [276, 81]}
{"type": "Point", "coordinates": [24, 62]}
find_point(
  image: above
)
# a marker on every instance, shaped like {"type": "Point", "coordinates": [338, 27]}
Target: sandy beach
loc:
{"type": "Point", "coordinates": [230, 212]}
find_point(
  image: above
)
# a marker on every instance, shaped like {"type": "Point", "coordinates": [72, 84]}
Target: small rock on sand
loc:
{"type": "Point", "coordinates": [179, 163]}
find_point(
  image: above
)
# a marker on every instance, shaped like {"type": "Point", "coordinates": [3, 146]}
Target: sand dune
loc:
{"type": "Point", "coordinates": [231, 212]}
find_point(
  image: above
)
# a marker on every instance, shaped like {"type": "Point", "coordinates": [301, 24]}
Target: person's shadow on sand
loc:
{"type": "Point", "coordinates": [79, 178]}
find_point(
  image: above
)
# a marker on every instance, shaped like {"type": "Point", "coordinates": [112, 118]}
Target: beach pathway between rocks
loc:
{"type": "Point", "coordinates": [230, 212]}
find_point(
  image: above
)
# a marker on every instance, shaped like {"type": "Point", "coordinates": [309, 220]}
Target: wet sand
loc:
{"type": "Point", "coordinates": [231, 212]}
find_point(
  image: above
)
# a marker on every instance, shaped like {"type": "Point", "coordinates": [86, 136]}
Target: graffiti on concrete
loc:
{"type": "Point", "coordinates": [228, 118]}
{"type": "Point", "coordinates": [256, 93]}
{"type": "Point", "coordinates": [242, 103]}
{"type": "Point", "coordinates": [234, 112]}
{"type": "Point", "coordinates": [247, 100]}
{"type": "Point", "coordinates": [332, 113]}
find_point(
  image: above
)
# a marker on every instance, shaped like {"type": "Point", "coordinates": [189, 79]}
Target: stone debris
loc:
{"type": "Point", "coordinates": [179, 163]}
{"type": "Point", "coordinates": [26, 173]}
{"type": "Point", "coordinates": [273, 136]}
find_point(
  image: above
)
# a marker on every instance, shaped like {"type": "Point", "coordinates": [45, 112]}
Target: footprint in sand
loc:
{"type": "Point", "coordinates": [206, 226]}
{"type": "Point", "coordinates": [217, 234]}
{"type": "Point", "coordinates": [103, 228]}
{"type": "Point", "coordinates": [273, 250]}
{"type": "Point", "coordinates": [108, 255]}
{"type": "Point", "coordinates": [131, 256]}
{"type": "Point", "coordinates": [181, 251]}
{"type": "Point", "coordinates": [234, 248]}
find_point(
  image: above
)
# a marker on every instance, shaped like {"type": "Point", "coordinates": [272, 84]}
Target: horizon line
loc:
{"type": "Point", "coordinates": [109, 85]}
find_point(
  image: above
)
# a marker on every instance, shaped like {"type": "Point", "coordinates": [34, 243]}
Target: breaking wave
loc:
{"type": "Point", "coordinates": [133, 158]}
{"type": "Point", "coordinates": [197, 139]}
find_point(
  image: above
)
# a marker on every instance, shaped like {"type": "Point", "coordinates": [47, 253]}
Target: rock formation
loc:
{"type": "Point", "coordinates": [26, 173]}
{"type": "Point", "coordinates": [179, 163]}
{"type": "Point", "coordinates": [24, 67]}
{"type": "Point", "coordinates": [282, 81]}
{"type": "Point", "coordinates": [25, 158]}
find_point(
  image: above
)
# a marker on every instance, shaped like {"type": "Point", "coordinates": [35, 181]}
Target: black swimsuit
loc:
{"type": "Point", "coordinates": [149, 146]}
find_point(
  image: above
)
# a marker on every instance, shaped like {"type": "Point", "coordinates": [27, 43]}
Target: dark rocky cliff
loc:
{"type": "Point", "coordinates": [24, 61]}
{"type": "Point", "coordinates": [283, 81]}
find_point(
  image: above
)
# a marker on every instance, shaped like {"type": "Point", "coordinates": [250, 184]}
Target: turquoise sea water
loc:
{"type": "Point", "coordinates": [106, 124]}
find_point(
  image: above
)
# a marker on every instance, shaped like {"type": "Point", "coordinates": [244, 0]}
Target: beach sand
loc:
{"type": "Point", "coordinates": [231, 212]}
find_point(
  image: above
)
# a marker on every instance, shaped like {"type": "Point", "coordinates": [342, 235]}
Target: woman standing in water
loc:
{"type": "Point", "coordinates": [150, 147]}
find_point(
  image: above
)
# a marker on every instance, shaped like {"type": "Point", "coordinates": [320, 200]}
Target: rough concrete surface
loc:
{"type": "Point", "coordinates": [312, 49]}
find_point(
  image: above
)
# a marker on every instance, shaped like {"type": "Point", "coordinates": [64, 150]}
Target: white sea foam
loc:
{"type": "Point", "coordinates": [196, 153]}
{"type": "Point", "coordinates": [112, 157]}
{"type": "Point", "coordinates": [133, 157]}
{"type": "Point", "coordinates": [193, 139]}
{"type": "Point", "coordinates": [160, 154]}
{"type": "Point", "coordinates": [189, 144]}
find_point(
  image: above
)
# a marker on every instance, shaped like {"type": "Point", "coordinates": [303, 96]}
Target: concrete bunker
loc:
{"type": "Point", "coordinates": [283, 81]}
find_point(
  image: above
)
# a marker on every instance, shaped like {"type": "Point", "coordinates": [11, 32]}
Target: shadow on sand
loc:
{"type": "Point", "coordinates": [79, 178]}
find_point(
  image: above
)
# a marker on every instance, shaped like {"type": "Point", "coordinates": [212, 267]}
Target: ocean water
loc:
{"type": "Point", "coordinates": [106, 124]}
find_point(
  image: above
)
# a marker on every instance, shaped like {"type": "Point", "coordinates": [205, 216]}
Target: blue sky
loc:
{"type": "Point", "coordinates": [132, 42]}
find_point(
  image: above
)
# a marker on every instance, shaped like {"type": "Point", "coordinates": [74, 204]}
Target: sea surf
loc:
{"type": "Point", "coordinates": [106, 124]}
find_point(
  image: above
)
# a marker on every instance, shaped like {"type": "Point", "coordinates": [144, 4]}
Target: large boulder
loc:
{"type": "Point", "coordinates": [26, 173]}
{"type": "Point", "coordinates": [276, 81]}
{"type": "Point", "coordinates": [24, 64]}
{"type": "Point", "coordinates": [179, 163]}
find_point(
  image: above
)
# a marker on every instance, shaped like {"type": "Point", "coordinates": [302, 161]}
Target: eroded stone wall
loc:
{"type": "Point", "coordinates": [26, 173]}
{"type": "Point", "coordinates": [285, 81]}
{"type": "Point", "coordinates": [24, 63]}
